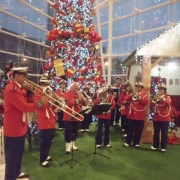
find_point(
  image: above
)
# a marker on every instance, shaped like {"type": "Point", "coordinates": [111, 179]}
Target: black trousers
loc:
{"type": "Point", "coordinates": [60, 119]}
{"type": "Point", "coordinates": [99, 138]}
{"type": "Point", "coordinates": [160, 126]}
{"type": "Point", "coordinates": [87, 120]}
{"type": "Point", "coordinates": [124, 123]}
{"type": "Point", "coordinates": [112, 117]}
{"type": "Point", "coordinates": [45, 137]}
{"type": "Point", "coordinates": [14, 148]}
{"type": "Point", "coordinates": [71, 130]}
{"type": "Point", "coordinates": [137, 127]}
{"type": "Point", "coordinates": [118, 114]}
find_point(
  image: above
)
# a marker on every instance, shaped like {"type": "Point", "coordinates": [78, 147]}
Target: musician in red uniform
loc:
{"type": "Point", "coordinates": [104, 119]}
{"type": "Point", "coordinates": [117, 89]}
{"type": "Point", "coordinates": [46, 124]}
{"type": "Point", "coordinates": [15, 123]}
{"type": "Point", "coordinates": [161, 118]}
{"type": "Point", "coordinates": [60, 113]}
{"type": "Point", "coordinates": [137, 114]}
{"type": "Point", "coordinates": [74, 101]}
{"type": "Point", "coordinates": [124, 106]}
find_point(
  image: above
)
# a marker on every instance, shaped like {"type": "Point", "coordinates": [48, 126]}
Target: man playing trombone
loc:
{"type": "Point", "coordinates": [74, 101]}
{"type": "Point", "coordinates": [15, 123]}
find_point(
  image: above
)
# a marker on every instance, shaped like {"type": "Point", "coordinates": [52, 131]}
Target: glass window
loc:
{"type": "Point", "coordinates": [106, 66]}
{"type": "Point", "coordinates": [123, 27]}
{"type": "Point", "coordinates": [122, 8]}
{"type": "Point", "coordinates": [104, 31]}
{"type": "Point", "coordinates": [101, 1]}
{"type": "Point", "coordinates": [113, 79]}
{"type": "Point", "coordinates": [104, 14]}
{"type": "Point", "coordinates": [143, 4]}
{"type": "Point", "coordinates": [105, 47]}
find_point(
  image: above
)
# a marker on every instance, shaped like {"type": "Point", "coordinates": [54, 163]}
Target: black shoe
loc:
{"type": "Point", "coordinates": [23, 175]}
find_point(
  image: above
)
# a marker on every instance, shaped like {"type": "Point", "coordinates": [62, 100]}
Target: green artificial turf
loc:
{"type": "Point", "coordinates": [125, 163]}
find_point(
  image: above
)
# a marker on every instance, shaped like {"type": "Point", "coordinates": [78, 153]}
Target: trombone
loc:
{"type": "Point", "coordinates": [31, 86]}
{"type": "Point", "coordinates": [87, 99]}
{"type": "Point", "coordinates": [156, 98]}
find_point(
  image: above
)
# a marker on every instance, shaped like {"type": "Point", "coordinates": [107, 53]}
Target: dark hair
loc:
{"type": "Point", "coordinates": [19, 73]}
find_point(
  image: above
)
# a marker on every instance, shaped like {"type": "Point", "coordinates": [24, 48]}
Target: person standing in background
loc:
{"type": "Point", "coordinates": [124, 107]}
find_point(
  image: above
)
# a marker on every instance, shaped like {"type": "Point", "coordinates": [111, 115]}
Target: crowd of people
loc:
{"type": "Point", "coordinates": [125, 104]}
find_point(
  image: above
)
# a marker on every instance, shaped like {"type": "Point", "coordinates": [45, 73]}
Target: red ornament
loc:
{"type": "Point", "coordinates": [56, 6]}
{"type": "Point", "coordinates": [80, 2]}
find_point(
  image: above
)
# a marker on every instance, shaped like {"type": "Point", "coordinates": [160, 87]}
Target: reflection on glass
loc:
{"type": "Point", "coordinates": [142, 4]}
{"type": "Point", "coordinates": [104, 14]}
{"type": "Point", "coordinates": [106, 66]}
{"type": "Point", "coordinates": [117, 66]}
{"type": "Point", "coordinates": [105, 47]}
{"type": "Point", "coordinates": [104, 31]}
{"type": "Point", "coordinates": [122, 8]}
{"type": "Point", "coordinates": [113, 79]}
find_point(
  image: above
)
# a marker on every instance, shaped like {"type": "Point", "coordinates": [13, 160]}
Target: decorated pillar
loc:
{"type": "Point", "coordinates": [147, 136]}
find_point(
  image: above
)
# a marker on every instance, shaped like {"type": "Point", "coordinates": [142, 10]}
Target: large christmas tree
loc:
{"type": "Point", "coordinates": [74, 44]}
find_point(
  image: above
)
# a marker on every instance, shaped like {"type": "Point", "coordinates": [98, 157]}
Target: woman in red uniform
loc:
{"type": "Point", "coordinates": [137, 115]}
{"type": "Point", "coordinates": [104, 119]}
{"type": "Point", "coordinates": [161, 118]}
{"type": "Point", "coordinates": [124, 107]}
{"type": "Point", "coordinates": [46, 125]}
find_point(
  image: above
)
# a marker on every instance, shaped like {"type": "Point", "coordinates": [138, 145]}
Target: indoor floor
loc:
{"type": "Point", "coordinates": [125, 163]}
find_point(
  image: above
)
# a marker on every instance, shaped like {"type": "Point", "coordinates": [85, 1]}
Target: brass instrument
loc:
{"type": "Point", "coordinates": [135, 97]}
{"type": "Point", "coordinates": [155, 98]}
{"type": "Point", "coordinates": [103, 92]}
{"type": "Point", "coordinates": [57, 102]}
{"type": "Point", "coordinates": [86, 98]}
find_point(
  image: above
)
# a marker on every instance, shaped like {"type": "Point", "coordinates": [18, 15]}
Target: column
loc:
{"type": "Point", "coordinates": [147, 136]}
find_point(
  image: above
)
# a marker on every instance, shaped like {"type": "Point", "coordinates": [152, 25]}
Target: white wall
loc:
{"type": "Point", "coordinates": [165, 73]}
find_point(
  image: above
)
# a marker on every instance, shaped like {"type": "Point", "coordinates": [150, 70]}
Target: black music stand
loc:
{"type": "Point", "coordinates": [97, 110]}
{"type": "Point", "coordinates": [72, 154]}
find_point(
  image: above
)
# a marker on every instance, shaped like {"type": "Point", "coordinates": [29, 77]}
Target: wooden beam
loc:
{"type": "Point", "coordinates": [156, 62]}
{"type": "Point", "coordinates": [128, 72]}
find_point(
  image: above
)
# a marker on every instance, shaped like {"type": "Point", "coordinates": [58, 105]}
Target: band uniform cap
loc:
{"type": "Point", "coordinates": [118, 78]}
{"type": "Point", "coordinates": [20, 69]}
{"type": "Point", "coordinates": [127, 84]}
{"type": "Point", "coordinates": [162, 86]}
{"type": "Point", "coordinates": [45, 79]}
{"type": "Point", "coordinates": [62, 81]}
{"type": "Point", "coordinates": [139, 84]}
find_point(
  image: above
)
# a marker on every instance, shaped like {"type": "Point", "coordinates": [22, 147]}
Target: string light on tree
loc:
{"type": "Point", "coordinates": [74, 41]}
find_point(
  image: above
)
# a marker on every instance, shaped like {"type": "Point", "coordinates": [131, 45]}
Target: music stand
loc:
{"type": "Point", "coordinates": [72, 154]}
{"type": "Point", "coordinates": [97, 110]}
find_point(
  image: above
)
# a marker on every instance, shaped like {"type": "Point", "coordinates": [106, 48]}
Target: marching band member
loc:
{"type": "Point", "coordinates": [137, 115]}
{"type": "Point", "coordinates": [117, 89]}
{"type": "Point", "coordinates": [124, 107]}
{"type": "Point", "coordinates": [60, 93]}
{"type": "Point", "coordinates": [15, 123]}
{"type": "Point", "coordinates": [74, 100]}
{"type": "Point", "coordinates": [104, 119]}
{"type": "Point", "coordinates": [161, 118]}
{"type": "Point", "coordinates": [87, 117]}
{"type": "Point", "coordinates": [46, 124]}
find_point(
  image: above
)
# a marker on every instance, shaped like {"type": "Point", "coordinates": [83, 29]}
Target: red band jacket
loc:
{"type": "Point", "coordinates": [137, 109]}
{"type": "Point", "coordinates": [123, 103]}
{"type": "Point", "coordinates": [111, 100]}
{"type": "Point", "coordinates": [72, 102]}
{"type": "Point", "coordinates": [45, 115]}
{"type": "Point", "coordinates": [162, 109]}
{"type": "Point", "coordinates": [16, 109]}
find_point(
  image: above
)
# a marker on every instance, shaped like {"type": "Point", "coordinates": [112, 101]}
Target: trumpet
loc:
{"type": "Point", "coordinates": [155, 98]}
{"type": "Point", "coordinates": [135, 97]}
{"type": "Point", "coordinates": [57, 102]}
